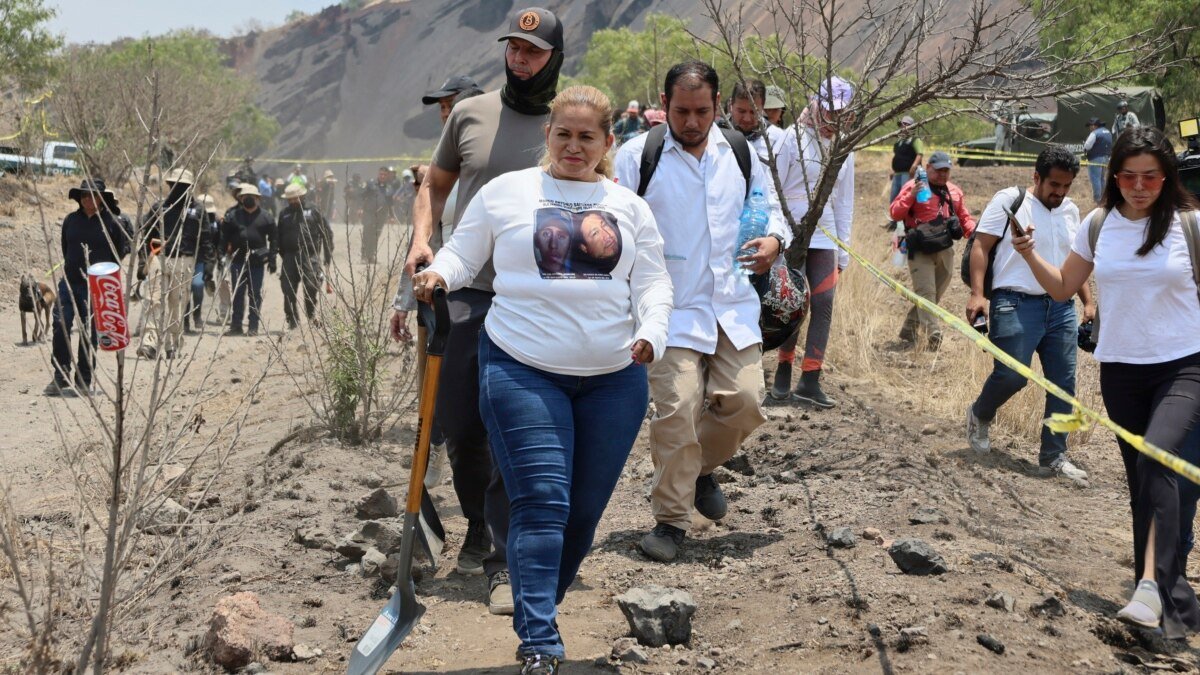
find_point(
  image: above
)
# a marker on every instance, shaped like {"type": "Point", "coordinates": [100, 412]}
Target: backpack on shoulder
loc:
{"type": "Point", "coordinates": [1191, 234]}
{"type": "Point", "coordinates": [782, 291]}
{"type": "Point", "coordinates": [965, 266]}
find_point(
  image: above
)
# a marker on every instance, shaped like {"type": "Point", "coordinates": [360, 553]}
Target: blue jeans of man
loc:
{"type": "Point", "coordinates": [246, 276]}
{"type": "Point", "coordinates": [560, 441]}
{"type": "Point", "coordinates": [898, 181]}
{"type": "Point", "coordinates": [73, 303]}
{"type": "Point", "coordinates": [194, 311]}
{"type": "Point", "coordinates": [1096, 169]}
{"type": "Point", "coordinates": [1021, 325]}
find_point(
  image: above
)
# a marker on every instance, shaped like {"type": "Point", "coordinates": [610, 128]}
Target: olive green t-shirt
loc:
{"type": "Point", "coordinates": [482, 139]}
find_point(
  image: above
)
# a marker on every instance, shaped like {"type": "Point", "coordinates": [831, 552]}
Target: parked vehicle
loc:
{"type": "Point", "coordinates": [56, 158]}
{"type": "Point", "coordinates": [1029, 133]}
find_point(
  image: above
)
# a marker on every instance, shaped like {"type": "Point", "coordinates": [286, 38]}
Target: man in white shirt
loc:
{"type": "Point", "coordinates": [1024, 319]}
{"type": "Point", "coordinates": [708, 385]}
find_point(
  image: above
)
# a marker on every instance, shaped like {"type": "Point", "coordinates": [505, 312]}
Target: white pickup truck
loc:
{"type": "Point", "coordinates": [57, 158]}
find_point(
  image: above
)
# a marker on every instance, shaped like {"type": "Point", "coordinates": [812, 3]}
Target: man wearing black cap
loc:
{"type": "Point", "coordinates": [91, 234]}
{"type": "Point", "coordinates": [444, 95]}
{"type": "Point", "coordinates": [486, 136]}
{"type": "Point", "coordinates": [1097, 149]}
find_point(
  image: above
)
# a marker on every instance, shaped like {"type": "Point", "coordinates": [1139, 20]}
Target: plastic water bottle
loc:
{"type": "Point", "coordinates": [899, 248]}
{"type": "Point", "coordinates": [923, 193]}
{"type": "Point", "coordinates": [753, 224]}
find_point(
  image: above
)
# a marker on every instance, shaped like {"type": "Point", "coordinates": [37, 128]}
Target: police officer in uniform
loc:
{"type": "Point", "coordinates": [248, 235]}
{"type": "Point", "coordinates": [304, 242]}
{"type": "Point", "coordinates": [377, 200]}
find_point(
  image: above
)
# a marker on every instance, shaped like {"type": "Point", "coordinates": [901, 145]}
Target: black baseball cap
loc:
{"type": "Point", "coordinates": [451, 87]}
{"type": "Point", "coordinates": [537, 25]}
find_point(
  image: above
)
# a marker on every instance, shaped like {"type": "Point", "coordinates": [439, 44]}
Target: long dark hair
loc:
{"type": "Point", "coordinates": [1174, 196]}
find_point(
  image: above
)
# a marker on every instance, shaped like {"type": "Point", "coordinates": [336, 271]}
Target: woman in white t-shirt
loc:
{"type": "Point", "coordinates": [582, 303]}
{"type": "Point", "coordinates": [1149, 352]}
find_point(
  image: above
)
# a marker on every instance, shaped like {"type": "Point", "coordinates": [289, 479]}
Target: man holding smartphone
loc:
{"type": "Point", "coordinates": [1024, 319]}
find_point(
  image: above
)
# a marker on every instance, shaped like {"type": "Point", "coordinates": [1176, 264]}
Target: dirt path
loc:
{"type": "Point", "coordinates": [773, 597]}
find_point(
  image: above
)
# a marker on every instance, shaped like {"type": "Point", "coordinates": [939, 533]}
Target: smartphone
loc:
{"type": "Point", "coordinates": [1012, 221]}
{"type": "Point", "coordinates": [980, 323]}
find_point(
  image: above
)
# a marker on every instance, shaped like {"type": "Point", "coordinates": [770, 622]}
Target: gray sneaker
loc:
{"type": "Point", "coordinates": [1062, 466]}
{"type": "Point", "coordinates": [977, 432]}
{"type": "Point", "coordinates": [500, 596]}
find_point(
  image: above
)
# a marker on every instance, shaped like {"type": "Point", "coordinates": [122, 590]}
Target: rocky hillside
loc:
{"type": "Point", "coordinates": [348, 83]}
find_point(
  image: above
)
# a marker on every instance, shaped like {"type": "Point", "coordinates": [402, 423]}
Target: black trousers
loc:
{"type": "Point", "coordinates": [477, 481]}
{"type": "Point", "coordinates": [1160, 401]}
{"type": "Point", "coordinates": [297, 269]}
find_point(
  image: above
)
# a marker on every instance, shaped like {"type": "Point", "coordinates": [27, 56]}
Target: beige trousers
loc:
{"type": "Point", "coordinates": [706, 405]}
{"type": "Point", "coordinates": [931, 274]}
{"type": "Point", "coordinates": [168, 286]}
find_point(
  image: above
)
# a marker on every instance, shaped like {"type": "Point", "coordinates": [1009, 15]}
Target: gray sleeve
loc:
{"type": "Point", "coordinates": [446, 156]}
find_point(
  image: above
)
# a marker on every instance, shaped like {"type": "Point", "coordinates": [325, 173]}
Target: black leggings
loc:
{"type": "Point", "coordinates": [822, 272]}
{"type": "Point", "coordinates": [1162, 402]}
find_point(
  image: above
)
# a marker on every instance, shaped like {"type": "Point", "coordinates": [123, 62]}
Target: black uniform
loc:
{"type": "Point", "coordinates": [326, 189]}
{"type": "Point", "coordinates": [377, 208]}
{"type": "Point", "coordinates": [304, 242]}
{"type": "Point", "coordinates": [249, 239]}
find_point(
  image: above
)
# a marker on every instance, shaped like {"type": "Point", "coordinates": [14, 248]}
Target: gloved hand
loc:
{"type": "Point", "coordinates": [272, 267]}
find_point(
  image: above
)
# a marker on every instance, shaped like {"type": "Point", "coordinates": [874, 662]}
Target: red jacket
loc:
{"type": "Point", "coordinates": [907, 208]}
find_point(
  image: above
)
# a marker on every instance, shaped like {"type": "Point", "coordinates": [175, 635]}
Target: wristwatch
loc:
{"type": "Point", "coordinates": [781, 244]}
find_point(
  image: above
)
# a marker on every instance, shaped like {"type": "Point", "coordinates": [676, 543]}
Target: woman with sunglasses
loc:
{"type": "Point", "coordinates": [1149, 352]}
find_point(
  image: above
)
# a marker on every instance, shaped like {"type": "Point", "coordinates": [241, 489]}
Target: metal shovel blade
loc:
{"type": "Point", "coordinates": [430, 532]}
{"type": "Point", "coordinates": [396, 619]}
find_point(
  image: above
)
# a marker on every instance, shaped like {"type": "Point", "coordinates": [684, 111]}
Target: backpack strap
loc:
{"type": "Point", "coordinates": [741, 151]}
{"type": "Point", "coordinates": [1013, 207]}
{"type": "Point", "coordinates": [652, 152]}
{"type": "Point", "coordinates": [1191, 233]}
{"type": "Point", "coordinates": [1095, 221]}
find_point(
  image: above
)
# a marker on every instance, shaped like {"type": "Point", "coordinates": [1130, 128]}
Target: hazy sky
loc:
{"type": "Point", "coordinates": [107, 20]}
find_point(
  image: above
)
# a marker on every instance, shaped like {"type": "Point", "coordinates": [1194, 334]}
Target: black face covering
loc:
{"type": "Point", "coordinates": [533, 96]}
{"type": "Point", "coordinates": [248, 202]}
{"type": "Point", "coordinates": [178, 195]}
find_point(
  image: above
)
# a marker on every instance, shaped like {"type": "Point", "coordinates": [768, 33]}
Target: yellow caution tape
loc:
{"type": "Point", "coordinates": [1058, 422]}
{"type": "Point", "coordinates": [1065, 423]}
{"type": "Point", "coordinates": [972, 153]}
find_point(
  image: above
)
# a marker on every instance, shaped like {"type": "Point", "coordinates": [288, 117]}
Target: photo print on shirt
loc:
{"type": "Point", "coordinates": [576, 245]}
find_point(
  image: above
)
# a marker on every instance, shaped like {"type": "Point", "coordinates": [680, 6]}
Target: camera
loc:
{"type": "Point", "coordinates": [1189, 159]}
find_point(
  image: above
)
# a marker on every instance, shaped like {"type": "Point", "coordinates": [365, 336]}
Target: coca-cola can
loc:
{"type": "Point", "coordinates": [108, 306]}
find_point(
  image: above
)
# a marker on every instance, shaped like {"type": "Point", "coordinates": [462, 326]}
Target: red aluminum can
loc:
{"type": "Point", "coordinates": [108, 306]}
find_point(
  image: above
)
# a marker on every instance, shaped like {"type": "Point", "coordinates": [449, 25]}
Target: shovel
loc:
{"type": "Point", "coordinates": [401, 613]}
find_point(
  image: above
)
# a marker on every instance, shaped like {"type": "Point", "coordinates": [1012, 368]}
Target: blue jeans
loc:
{"type": "Point", "coordinates": [898, 181]}
{"type": "Point", "coordinates": [1022, 324]}
{"type": "Point", "coordinates": [70, 298]}
{"type": "Point", "coordinates": [197, 294]}
{"type": "Point", "coordinates": [1096, 169]}
{"type": "Point", "coordinates": [560, 442]}
{"type": "Point", "coordinates": [246, 276]}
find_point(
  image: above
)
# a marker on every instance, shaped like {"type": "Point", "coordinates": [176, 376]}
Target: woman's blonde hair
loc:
{"type": "Point", "coordinates": [594, 100]}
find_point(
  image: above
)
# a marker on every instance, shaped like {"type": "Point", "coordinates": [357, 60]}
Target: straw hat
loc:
{"type": "Point", "coordinates": [182, 176]}
{"type": "Point", "coordinates": [248, 189]}
{"type": "Point", "coordinates": [294, 191]}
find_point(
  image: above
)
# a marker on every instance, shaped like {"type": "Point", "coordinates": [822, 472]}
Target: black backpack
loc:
{"type": "Point", "coordinates": [652, 152]}
{"type": "Point", "coordinates": [965, 267]}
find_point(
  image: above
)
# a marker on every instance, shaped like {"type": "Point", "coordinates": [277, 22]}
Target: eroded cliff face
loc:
{"type": "Point", "coordinates": [348, 84]}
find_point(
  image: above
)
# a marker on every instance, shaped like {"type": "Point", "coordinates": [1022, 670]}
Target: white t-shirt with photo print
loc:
{"type": "Point", "coordinates": [1149, 309]}
{"type": "Point", "coordinates": [580, 274]}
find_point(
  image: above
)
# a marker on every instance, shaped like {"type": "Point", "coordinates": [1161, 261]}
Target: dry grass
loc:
{"type": "Point", "coordinates": [868, 316]}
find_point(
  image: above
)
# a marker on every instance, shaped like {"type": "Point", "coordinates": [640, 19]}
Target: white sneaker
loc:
{"type": "Point", "coordinates": [1063, 467]}
{"type": "Point", "coordinates": [977, 432]}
